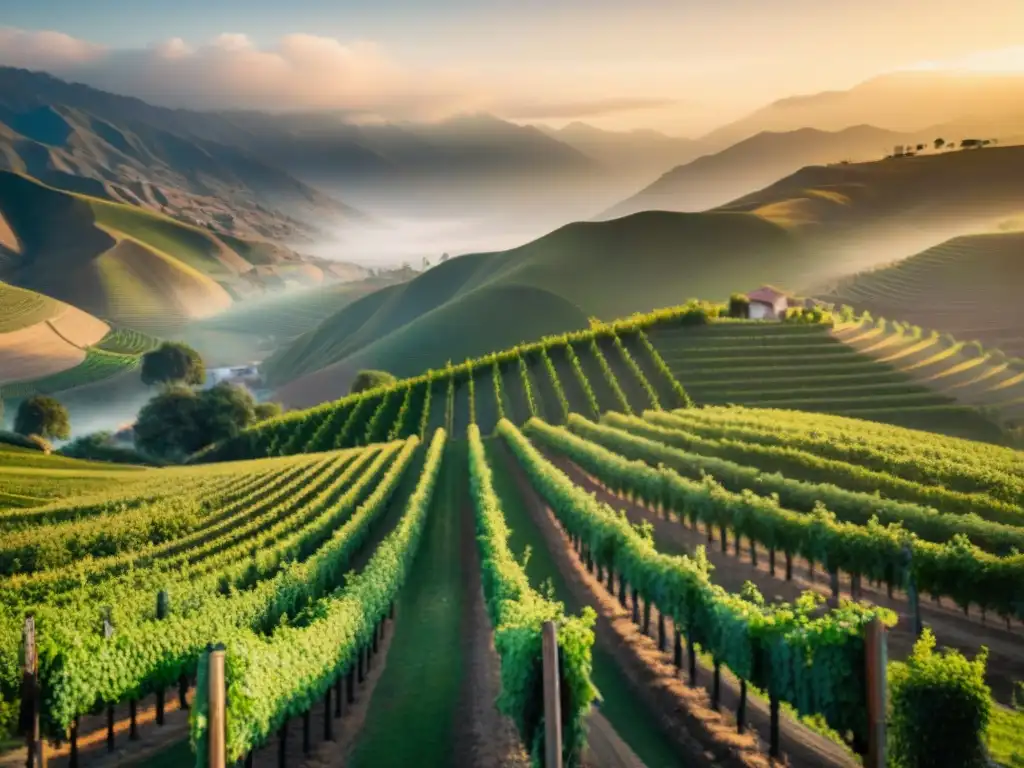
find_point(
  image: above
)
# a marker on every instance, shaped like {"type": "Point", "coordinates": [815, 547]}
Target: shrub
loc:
{"type": "Point", "coordinates": [939, 708]}
{"type": "Point", "coordinates": [100, 446]}
{"type": "Point", "coordinates": [739, 306]}
{"type": "Point", "coordinates": [370, 379]}
{"type": "Point", "coordinates": [20, 441]}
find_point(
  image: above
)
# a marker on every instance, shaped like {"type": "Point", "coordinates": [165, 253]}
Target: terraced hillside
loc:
{"type": "Point", "coordinates": [987, 379]}
{"type": "Point", "coordinates": [116, 353]}
{"type": "Point", "coordinates": [807, 368]}
{"type": "Point", "coordinates": [40, 336]}
{"type": "Point", "coordinates": [968, 287]}
{"type": "Point", "coordinates": [339, 582]}
{"type": "Point", "coordinates": [663, 360]}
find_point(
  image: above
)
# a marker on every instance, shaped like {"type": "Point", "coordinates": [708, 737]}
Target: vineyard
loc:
{"type": "Point", "coordinates": [97, 366]}
{"type": "Point", "coordinates": [666, 359]}
{"type": "Point", "coordinates": [721, 577]}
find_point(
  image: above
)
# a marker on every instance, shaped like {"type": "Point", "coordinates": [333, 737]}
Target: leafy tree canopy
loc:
{"type": "Point", "coordinates": [266, 411]}
{"type": "Point", "coordinates": [180, 421]}
{"type": "Point", "coordinates": [370, 380]}
{"type": "Point", "coordinates": [44, 416]}
{"type": "Point", "coordinates": [173, 362]}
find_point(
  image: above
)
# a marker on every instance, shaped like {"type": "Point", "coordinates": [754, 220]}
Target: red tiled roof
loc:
{"type": "Point", "coordinates": [766, 294]}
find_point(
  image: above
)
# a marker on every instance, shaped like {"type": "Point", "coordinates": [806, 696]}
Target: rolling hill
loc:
{"type": "Point", "coordinates": [188, 165]}
{"type": "Point", "coordinates": [968, 287]}
{"type": "Point", "coordinates": [865, 214]}
{"type": "Point", "coordinates": [715, 179]}
{"type": "Point", "coordinates": [818, 223]}
{"type": "Point", "coordinates": [40, 336]}
{"type": "Point", "coordinates": [948, 104]}
{"type": "Point", "coordinates": [471, 304]}
{"type": "Point", "coordinates": [134, 267]}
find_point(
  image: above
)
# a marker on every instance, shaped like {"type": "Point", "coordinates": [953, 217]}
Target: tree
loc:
{"type": "Point", "coordinates": [739, 305]}
{"type": "Point", "coordinates": [940, 143]}
{"type": "Point", "coordinates": [266, 411]}
{"type": "Point", "coordinates": [180, 421]}
{"type": "Point", "coordinates": [44, 416]}
{"type": "Point", "coordinates": [370, 379]}
{"type": "Point", "coordinates": [173, 362]}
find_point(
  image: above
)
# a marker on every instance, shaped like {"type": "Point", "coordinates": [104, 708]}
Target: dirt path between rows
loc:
{"type": "Point", "coordinates": [484, 738]}
{"type": "Point", "coordinates": [702, 736]}
{"type": "Point", "coordinates": [952, 628]}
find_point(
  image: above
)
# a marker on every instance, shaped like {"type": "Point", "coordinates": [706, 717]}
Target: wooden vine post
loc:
{"type": "Point", "coordinates": [912, 596]}
{"type": "Point", "coordinates": [108, 634]}
{"type": "Point", "coordinates": [36, 747]}
{"type": "Point", "coordinates": [216, 715]}
{"type": "Point", "coordinates": [876, 658]}
{"type": "Point", "coordinates": [162, 609]}
{"type": "Point", "coordinates": [552, 698]}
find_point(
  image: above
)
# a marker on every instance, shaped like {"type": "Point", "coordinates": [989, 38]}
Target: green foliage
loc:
{"type": "Point", "coordinates": [370, 379]}
{"type": "Point", "coordinates": [274, 677]}
{"type": "Point", "coordinates": [264, 411]}
{"type": "Point", "coordinates": [127, 341]}
{"type": "Point", "coordinates": [173, 362]}
{"type": "Point", "coordinates": [471, 384]}
{"type": "Point", "coordinates": [823, 533]}
{"type": "Point", "coordinates": [609, 376]}
{"type": "Point", "coordinates": [775, 648]}
{"type": "Point", "coordinates": [44, 416]}
{"type": "Point", "coordinates": [739, 305]}
{"type": "Point", "coordinates": [180, 421]}
{"type": "Point", "coordinates": [627, 358]}
{"type": "Point", "coordinates": [940, 708]}
{"type": "Point", "coordinates": [100, 446]}
{"type": "Point", "coordinates": [556, 384]}
{"type": "Point", "coordinates": [518, 613]}
{"type": "Point", "coordinates": [499, 398]}
{"type": "Point", "coordinates": [524, 377]}
{"type": "Point", "coordinates": [682, 398]}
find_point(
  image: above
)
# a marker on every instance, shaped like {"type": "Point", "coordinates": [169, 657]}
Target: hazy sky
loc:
{"type": "Point", "coordinates": [683, 66]}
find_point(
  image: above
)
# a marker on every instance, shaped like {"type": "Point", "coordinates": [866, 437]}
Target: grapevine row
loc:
{"type": "Point", "coordinates": [955, 569]}
{"type": "Point", "coordinates": [627, 358]}
{"type": "Point", "coordinates": [609, 376]}
{"type": "Point", "coordinates": [517, 613]}
{"type": "Point", "coordinates": [271, 679]}
{"type": "Point", "coordinates": [682, 396]}
{"type": "Point", "coordinates": [776, 648]}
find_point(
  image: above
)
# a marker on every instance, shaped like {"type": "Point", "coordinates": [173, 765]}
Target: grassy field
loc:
{"type": "Point", "coordinates": [30, 478]}
{"type": "Point", "coordinates": [420, 686]}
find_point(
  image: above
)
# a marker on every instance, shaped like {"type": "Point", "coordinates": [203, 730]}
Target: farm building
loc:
{"type": "Point", "coordinates": [767, 303]}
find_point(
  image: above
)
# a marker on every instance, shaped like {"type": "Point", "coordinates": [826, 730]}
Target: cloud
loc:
{"type": "Point", "coordinates": [581, 109]}
{"type": "Point", "coordinates": [299, 72]}
{"type": "Point", "coordinates": [44, 49]}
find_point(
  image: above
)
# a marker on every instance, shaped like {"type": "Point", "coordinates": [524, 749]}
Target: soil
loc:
{"type": "Point", "coordinates": [702, 736]}
{"type": "Point", "coordinates": [951, 627]}
{"type": "Point", "coordinates": [484, 738]}
{"type": "Point", "coordinates": [92, 743]}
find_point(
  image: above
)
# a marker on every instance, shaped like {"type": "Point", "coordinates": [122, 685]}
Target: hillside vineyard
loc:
{"type": "Point", "coordinates": [656, 531]}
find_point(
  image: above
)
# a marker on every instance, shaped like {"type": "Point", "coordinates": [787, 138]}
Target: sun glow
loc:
{"type": "Point", "coordinates": [999, 60]}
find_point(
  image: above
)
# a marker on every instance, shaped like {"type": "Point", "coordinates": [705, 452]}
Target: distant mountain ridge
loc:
{"type": "Point", "coordinates": [906, 102]}
{"type": "Point", "coordinates": [715, 179]}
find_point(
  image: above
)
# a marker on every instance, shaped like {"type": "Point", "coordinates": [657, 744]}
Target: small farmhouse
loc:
{"type": "Point", "coordinates": [767, 303]}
